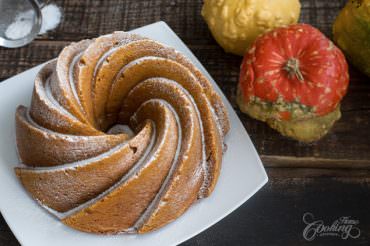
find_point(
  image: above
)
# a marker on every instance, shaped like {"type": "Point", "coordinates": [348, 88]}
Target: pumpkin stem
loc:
{"type": "Point", "coordinates": [292, 67]}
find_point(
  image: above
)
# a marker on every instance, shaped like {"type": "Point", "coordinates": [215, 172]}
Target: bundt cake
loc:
{"type": "Point", "coordinates": [123, 134]}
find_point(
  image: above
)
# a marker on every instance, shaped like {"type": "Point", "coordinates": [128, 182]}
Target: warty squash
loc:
{"type": "Point", "coordinates": [294, 78]}
{"type": "Point", "coordinates": [351, 32]}
{"type": "Point", "coordinates": [235, 24]}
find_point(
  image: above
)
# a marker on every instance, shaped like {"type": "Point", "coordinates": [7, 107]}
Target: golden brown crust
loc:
{"type": "Point", "coordinates": [121, 208]}
{"type": "Point", "coordinates": [41, 147]}
{"type": "Point", "coordinates": [60, 81]}
{"type": "Point", "coordinates": [87, 64]}
{"type": "Point", "coordinates": [91, 176]}
{"type": "Point", "coordinates": [50, 114]}
{"type": "Point", "coordinates": [165, 68]}
{"type": "Point", "coordinates": [102, 180]}
{"type": "Point", "coordinates": [186, 180]}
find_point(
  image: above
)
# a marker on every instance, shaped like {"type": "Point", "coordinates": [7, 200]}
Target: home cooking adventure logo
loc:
{"type": "Point", "coordinates": [344, 227]}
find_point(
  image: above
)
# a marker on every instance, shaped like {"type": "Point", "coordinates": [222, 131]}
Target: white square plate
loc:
{"type": "Point", "coordinates": [242, 174]}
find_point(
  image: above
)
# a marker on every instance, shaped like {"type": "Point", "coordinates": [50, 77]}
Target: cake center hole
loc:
{"type": "Point", "coordinates": [119, 128]}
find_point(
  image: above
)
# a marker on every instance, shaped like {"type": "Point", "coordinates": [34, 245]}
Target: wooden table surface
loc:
{"type": "Point", "coordinates": [329, 178]}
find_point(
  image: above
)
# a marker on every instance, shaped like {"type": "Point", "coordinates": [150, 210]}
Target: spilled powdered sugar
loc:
{"type": "Point", "coordinates": [24, 21]}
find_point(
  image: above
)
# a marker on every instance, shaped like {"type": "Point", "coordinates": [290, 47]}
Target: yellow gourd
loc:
{"type": "Point", "coordinates": [235, 24]}
{"type": "Point", "coordinates": [352, 33]}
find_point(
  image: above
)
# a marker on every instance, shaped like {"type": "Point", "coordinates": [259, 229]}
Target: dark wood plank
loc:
{"type": "Point", "coordinates": [6, 236]}
{"type": "Point", "coordinates": [312, 162]}
{"type": "Point", "coordinates": [280, 173]}
{"type": "Point", "coordinates": [87, 19]}
{"type": "Point", "coordinates": [14, 61]}
{"type": "Point", "coordinates": [274, 215]}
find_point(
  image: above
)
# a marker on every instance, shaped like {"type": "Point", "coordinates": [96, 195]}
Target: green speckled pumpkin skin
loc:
{"type": "Point", "coordinates": [294, 78]}
{"type": "Point", "coordinates": [303, 130]}
{"type": "Point", "coordinates": [351, 32]}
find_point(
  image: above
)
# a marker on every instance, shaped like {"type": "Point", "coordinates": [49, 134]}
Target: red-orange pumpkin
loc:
{"type": "Point", "coordinates": [294, 73]}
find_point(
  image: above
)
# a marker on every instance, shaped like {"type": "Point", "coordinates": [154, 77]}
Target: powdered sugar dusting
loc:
{"type": "Point", "coordinates": [106, 46]}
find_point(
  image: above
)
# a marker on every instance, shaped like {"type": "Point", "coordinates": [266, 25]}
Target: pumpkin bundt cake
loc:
{"type": "Point", "coordinates": [123, 134]}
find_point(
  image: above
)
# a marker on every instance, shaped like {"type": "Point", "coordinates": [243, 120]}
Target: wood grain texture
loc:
{"type": "Point", "coordinates": [274, 215]}
{"type": "Point", "coordinates": [329, 178]}
{"type": "Point", "coordinates": [6, 236]}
